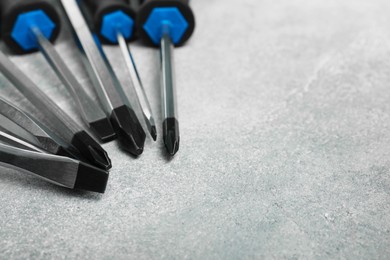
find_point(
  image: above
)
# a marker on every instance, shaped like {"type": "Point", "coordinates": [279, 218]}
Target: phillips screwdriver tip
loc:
{"type": "Point", "coordinates": [129, 130]}
{"type": "Point", "coordinates": [171, 135]}
{"type": "Point", "coordinates": [103, 129]}
{"type": "Point", "coordinates": [100, 157]}
{"type": "Point", "coordinates": [91, 178]}
{"type": "Point", "coordinates": [91, 150]}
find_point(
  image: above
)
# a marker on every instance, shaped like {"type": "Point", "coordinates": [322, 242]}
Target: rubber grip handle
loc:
{"type": "Point", "coordinates": [149, 5]}
{"type": "Point", "coordinates": [98, 9]}
{"type": "Point", "coordinates": [10, 11]}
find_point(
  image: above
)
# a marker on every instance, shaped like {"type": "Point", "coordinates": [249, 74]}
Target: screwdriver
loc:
{"type": "Point", "coordinates": [14, 141]}
{"type": "Point", "coordinates": [17, 123]}
{"type": "Point", "coordinates": [114, 20]}
{"type": "Point", "coordinates": [31, 25]}
{"type": "Point", "coordinates": [68, 130]}
{"type": "Point", "coordinates": [167, 23]}
{"type": "Point", "coordinates": [128, 128]}
{"type": "Point", "coordinates": [62, 171]}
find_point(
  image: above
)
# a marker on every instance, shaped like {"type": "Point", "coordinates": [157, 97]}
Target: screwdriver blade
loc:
{"type": "Point", "coordinates": [137, 85]}
{"type": "Point", "coordinates": [153, 131]}
{"type": "Point", "coordinates": [91, 150]}
{"type": "Point", "coordinates": [130, 133]}
{"type": "Point", "coordinates": [62, 151]}
{"type": "Point", "coordinates": [103, 129]}
{"type": "Point", "coordinates": [55, 148]}
{"type": "Point", "coordinates": [91, 113]}
{"type": "Point", "coordinates": [66, 149]}
{"type": "Point", "coordinates": [171, 135]}
{"type": "Point", "coordinates": [91, 178]}
{"type": "Point", "coordinates": [11, 140]}
{"type": "Point", "coordinates": [62, 171]}
{"type": "Point", "coordinates": [25, 127]}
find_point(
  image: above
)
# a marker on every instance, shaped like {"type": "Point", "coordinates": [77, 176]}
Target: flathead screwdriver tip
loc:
{"type": "Point", "coordinates": [91, 150]}
{"type": "Point", "coordinates": [103, 129]}
{"type": "Point", "coordinates": [129, 130]}
{"type": "Point", "coordinates": [59, 170]}
{"type": "Point", "coordinates": [91, 178]}
{"type": "Point", "coordinates": [62, 151]}
{"type": "Point", "coordinates": [171, 135]}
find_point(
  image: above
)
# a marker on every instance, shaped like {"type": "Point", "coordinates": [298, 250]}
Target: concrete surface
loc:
{"type": "Point", "coordinates": [285, 152]}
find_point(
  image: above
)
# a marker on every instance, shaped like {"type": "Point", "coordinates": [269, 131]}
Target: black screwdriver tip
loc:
{"type": "Point", "coordinates": [153, 132]}
{"type": "Point", "coordinates": [91, 150]}
{"type": "Point", "coordinates": [90, 178]}
{"type": "Point", "coordinates": [129, 130]}
{"type": "Point", "coordinates": [62, 151]}
{"type": "Point", "coordinates": [171, 135]}
{"type": "Point", "coordinates": [103, 129]}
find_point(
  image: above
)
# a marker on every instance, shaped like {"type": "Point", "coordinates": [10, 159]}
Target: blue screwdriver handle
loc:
{"type": "Point", "coordinates": [110, 16]}
{"type": "Point", "coordinates": [17, 17]}
{"type": "Point", "coordinates": [154, 15]}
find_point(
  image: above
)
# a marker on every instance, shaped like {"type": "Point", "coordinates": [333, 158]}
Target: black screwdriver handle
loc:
{"type": "Point", "coordinates": [149, 5]}
{"type": "Point", "coordinates": [99, 9]}
{"type": "Point", "coordinates": [9, 13]}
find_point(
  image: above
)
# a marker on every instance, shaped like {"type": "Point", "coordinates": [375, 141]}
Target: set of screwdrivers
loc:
{"type": "Point", "coordinates": [56, 148]}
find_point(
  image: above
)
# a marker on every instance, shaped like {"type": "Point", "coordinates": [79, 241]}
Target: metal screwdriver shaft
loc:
{"type": "Point", "coordinates": [123, 118]}
{"type": "Point", "coordinates": [9, 139]}
{"type": "Point", "coordinates": [171, 133]}
{"type": "Point", "coordinates": [27, 128]}
{"type": "Point", "coordinates": [138, 86]}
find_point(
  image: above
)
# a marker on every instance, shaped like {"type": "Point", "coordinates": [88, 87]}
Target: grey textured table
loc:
{"type": "Point", "coordinates": [285, 151]}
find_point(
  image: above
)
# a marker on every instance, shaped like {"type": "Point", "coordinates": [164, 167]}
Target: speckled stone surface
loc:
{"type": "Point", "coordinates": [285, 145]}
